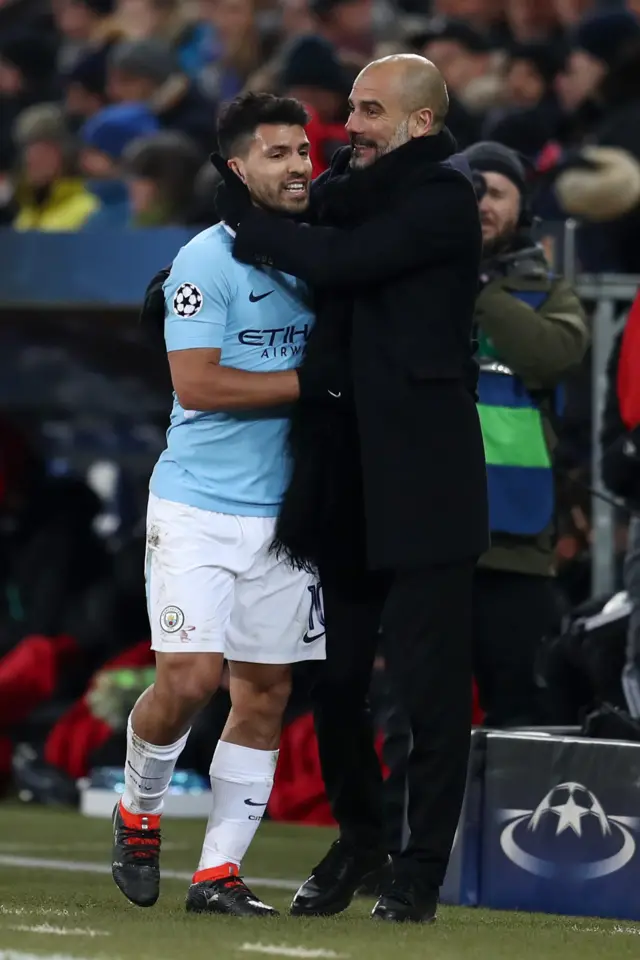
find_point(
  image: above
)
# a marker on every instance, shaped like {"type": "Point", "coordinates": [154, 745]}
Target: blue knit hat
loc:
{"type": "Point", "coordinates": [113, 128]}
{"type": "Point", "coordinates": [604, 35]}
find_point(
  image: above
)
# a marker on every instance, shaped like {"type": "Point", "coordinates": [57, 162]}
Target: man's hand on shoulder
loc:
{"type": "Point", "coordinates": [152, 313]}
{"type": "Point", "coordinates": [233, 200]}
{"type": "Point", "coordinates": [325, 378]}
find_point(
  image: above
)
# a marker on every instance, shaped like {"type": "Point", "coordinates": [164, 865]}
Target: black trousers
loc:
{"type": "Point", "coordinates": [426, 639]}
{"type": "Point", "coordinates": [512, 613]}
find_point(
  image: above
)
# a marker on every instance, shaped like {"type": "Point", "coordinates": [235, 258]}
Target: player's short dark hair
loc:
{"type": "Point", "coordinates": [240, 119]}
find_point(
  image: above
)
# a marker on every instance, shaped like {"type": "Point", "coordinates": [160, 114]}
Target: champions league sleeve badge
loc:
{"type": "Point", "coordinates": [187, 301]}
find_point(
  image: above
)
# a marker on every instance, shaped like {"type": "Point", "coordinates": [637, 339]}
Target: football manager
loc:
{"type": "Point", "coordinates": [388, 493]}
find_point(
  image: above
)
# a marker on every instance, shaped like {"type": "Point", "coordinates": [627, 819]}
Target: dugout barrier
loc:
{"type": "Point", "coordinates": [550, 825]}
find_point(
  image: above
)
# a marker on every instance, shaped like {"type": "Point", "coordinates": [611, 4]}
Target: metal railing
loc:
{"type": "Point", "coordinates": [608, 298]}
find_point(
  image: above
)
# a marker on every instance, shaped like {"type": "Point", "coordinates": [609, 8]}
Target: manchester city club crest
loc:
{"type": "Point", "coordinates": [171, 619]}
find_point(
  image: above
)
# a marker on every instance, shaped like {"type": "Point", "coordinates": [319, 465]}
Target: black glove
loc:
{"type": "Point", "coordinates": [151, 317]}
{"type": "Point", "coordinates": [233, 200]}
{"type": "Point", "coordinates": [325, 379]}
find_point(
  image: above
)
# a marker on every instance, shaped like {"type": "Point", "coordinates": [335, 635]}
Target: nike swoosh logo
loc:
{"type": "Point", "coordinates": [251, 803]}
{"type": "Point", "coordinates": [308, 639]}
{"type": "Point", "coordinates": [131, 767]}
{"type": "Point", "coordinates": [254, 299]}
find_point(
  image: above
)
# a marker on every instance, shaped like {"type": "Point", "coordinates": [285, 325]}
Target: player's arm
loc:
{"type": "Point", "coordinates": [201, 383]}
{"type": "Point", "coordinates": [197, 299]}
{"type": "Point", "coordinates": [400, 240]}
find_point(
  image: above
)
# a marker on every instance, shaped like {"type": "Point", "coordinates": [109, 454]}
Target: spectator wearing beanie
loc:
{"type": "Point", "coordinates": [50, 196]}
{"type": "Point", "coordinates": [312, 73]}
{"type": "Point", "coordinates": [86, 88]}
{"type": "Point", "coordinates": [147, 71]}
{"type": "Point", "coordinates": [104, 140]}
{"type": "Point", "coordinates": [160, 171]}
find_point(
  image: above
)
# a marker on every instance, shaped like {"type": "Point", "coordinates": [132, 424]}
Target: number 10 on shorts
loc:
{"type": "Point", "coordinates": [315, 628]}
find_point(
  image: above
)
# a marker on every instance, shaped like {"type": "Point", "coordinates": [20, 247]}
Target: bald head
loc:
{"type": "Point", "coordinates": [417, 81]}
{"type": "Point", "coordinates": [395, 99]}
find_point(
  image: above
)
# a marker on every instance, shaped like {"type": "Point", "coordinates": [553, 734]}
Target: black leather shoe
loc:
{"type": "Point", "coordinates": [333, 883]}
{"type": "Point", "coordinates": [405, 902]}
{"type": "Point", "coordinates": [376, 882]}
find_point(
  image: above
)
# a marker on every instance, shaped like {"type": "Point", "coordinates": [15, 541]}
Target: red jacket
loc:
{"type": "Point", "coordinates": [325, 138]}
{"type": "Point", "coordinates": [629, 369]}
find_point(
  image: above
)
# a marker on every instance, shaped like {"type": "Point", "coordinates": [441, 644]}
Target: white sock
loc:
{"type": "Point", "coordinates": [147, 772]}
{"type": "Point", "coordinates": [241, 782]}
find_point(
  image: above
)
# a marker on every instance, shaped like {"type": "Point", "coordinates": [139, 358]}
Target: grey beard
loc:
{"type": "Point", "coordinates": [399, 138]}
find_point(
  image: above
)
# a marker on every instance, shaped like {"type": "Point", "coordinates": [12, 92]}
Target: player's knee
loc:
{"type": "Point", "coordinates": [187, 680]}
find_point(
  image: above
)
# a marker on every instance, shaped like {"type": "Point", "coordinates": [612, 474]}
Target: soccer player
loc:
{"type": "Point", "coordinates": [215, 589]}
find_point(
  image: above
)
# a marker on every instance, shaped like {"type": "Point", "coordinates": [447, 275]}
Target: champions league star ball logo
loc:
{"type": "Point", "coordinates": [187, 301]}
{"type": "Point", "coordinates": [568, 836]}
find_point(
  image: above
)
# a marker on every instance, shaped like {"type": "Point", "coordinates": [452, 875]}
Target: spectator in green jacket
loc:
{"type": "Point", "coordinates": [532, 333]}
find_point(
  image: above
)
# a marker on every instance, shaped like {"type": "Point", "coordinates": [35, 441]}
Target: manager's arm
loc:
{"type": "Point", "coordinates": [424, 228]}
{"type": "Point", "coordinates": [197, 300]}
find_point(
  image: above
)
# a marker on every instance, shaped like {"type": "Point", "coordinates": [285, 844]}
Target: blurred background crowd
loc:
{"type": "Point", "coordinates": [107, 120]}
{"type": "Point", "coordinates": [107, 107]}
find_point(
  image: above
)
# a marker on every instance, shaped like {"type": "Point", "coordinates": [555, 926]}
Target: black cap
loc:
{"type": "Point", "coordinates": [488, 156]}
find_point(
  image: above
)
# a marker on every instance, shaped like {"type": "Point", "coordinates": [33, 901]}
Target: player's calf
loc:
{"type": "Point", "coordinates": [242, 772]}
{"type": "Point", "coordinates": [157, 732]}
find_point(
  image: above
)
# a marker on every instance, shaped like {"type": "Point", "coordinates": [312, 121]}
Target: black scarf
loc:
{"type": "Point", "coordinates": [321, 522]}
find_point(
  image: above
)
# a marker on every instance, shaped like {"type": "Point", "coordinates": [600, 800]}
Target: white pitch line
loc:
{"type": "Point", "coordinates": [628, 931]}
{"type": "Point", "coordinates": [276, 950]}
{"type": "Point", "coordinates": [82, 866]}
{"type": "Point", "coordinates": [61, 931]}
{"type": "Point", "coordinates": [21, 955]}
{"type": "Point", "coordinates": [33, 911]}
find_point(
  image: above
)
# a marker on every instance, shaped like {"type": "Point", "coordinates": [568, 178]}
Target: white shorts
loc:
{"type": "Point", "coordinates": [213, 586]}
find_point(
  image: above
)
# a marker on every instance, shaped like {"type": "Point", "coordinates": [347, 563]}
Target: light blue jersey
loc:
{"type": "Point", "coordinates": [259, 318]}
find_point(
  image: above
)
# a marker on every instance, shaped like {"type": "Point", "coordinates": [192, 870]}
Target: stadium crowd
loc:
{"type": "Point", "coordinates": [108, 107]}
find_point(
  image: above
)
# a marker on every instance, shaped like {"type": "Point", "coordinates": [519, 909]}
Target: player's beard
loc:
{"type": "Point", "coordinates": [273, 201]}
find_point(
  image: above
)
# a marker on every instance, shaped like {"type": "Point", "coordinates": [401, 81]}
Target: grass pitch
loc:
{"type": "Point", "coordinates": [76, 912]}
